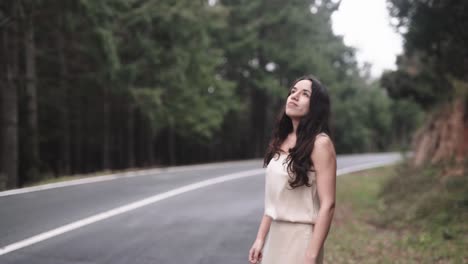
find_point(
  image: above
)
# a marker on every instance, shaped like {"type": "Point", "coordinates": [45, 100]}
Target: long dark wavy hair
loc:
{"type": "Point", "coordinates": [316, 121]}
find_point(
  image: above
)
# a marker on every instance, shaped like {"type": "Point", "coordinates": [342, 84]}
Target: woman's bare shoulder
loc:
{"type": "Point", "coordinates": [323, 143]}
{"type": "Point", "coordinates": [321, 138]}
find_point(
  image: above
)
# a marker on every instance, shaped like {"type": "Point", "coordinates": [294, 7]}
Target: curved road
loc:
{"type": "Point", "coordinates": [193, 214]}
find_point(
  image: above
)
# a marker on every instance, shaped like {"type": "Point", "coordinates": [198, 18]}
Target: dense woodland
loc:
{"type": "Point", "coordinates": [433, 72]}
{"type": "Point", "coordinates": [434, 67]}
{"type": "Point", "coordinates": [90, 86]}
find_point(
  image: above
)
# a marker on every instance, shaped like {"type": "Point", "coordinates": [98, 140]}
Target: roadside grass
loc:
{"type": "Point", "coordinates": [396, 214]}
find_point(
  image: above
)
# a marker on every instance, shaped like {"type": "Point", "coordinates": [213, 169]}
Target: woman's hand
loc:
{"type": "Point", "coordinates": [255, 253]}
{"type": "Point", "coordinates": [308, 259]}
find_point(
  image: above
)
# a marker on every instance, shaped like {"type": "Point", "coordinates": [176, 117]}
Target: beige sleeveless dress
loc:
{"type": "Point", "coordinates": [293, 212]}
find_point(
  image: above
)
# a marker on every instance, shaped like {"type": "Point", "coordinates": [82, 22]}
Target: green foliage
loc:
{"type": "Point", "coordinates": [124, 82]}
{"type": "Point", "coordinates": [435, 53]}
{"type": "Point", "coordinates": [437, 29]}
{"type": "Point", "coordinates": [367, 119]}
{"type": "Point", "coordinates": [298, 42]}
{"type": "Point", "coordinates": [149, 101]}
{"type": "Point", "coordinates": [406, 116]}
{"type": "Point", "coordinates": [427, 87]}
{"type": "Point", "coordinates": [174, 69]}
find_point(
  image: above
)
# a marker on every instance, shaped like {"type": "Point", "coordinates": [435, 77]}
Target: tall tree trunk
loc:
{"type": "Point", "coordinates": [32, 143]}
{"type": "Point", "coordinates": [149, 144]}
{"type": "Point", "coordinates": [258, 121]}
{"type": "Point", "coordinates": [259, 100]}
{"type": "Point", "coordinates": [106, 129]}
{"type": "Point", "coordinates": [130, 135]}
{"type": "Point", "coordinates": [171, 142]}
{"type": "Point", "coordinates": [80, 114]}
{"type": "Point", "coordinates": [9, 113]}
{"type": "Point", "coordinates": [144, 138]}
{"type": "Point", "coordinates": [65, 142]}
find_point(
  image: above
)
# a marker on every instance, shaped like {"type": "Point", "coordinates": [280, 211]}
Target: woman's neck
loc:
{"type": "Point", "coordinates": [295, 123]}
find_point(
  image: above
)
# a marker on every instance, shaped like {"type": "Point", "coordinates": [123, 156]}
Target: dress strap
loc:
{"type": "Point", "coordinates": [322, 133]}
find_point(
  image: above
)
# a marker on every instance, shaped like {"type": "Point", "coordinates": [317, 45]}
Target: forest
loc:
{"type": "Point", "coordinates": [90, 86]}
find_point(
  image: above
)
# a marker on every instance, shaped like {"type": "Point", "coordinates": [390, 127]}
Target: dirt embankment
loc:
{"type": "Point", "coordinates": [444, 137]}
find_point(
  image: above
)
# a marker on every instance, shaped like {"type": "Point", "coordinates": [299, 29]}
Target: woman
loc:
{"type": "Point", "coordinates": [300, 182]}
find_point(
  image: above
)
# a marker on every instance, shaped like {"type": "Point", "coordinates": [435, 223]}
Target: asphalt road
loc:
{"type": "Point", "coordinates": [213, 224]}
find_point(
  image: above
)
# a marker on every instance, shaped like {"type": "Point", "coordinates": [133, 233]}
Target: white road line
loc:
{"type": "Point", "coordinates": [126, 208]}
{"type": "Point", "coordinates": [153, 199]}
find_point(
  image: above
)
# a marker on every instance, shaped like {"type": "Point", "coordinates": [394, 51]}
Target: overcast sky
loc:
{"type": "Point", "coordinates": [365, 25]}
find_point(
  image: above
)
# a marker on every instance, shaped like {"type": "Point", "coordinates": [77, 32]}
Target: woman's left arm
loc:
{"type": "Point", "coordinates": [324, 160]}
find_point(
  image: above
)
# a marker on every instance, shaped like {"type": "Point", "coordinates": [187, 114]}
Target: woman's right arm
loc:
{"type": "Point", "coordinates": [255, 253]}
{"type": "Point", "coordinates": [264, 228]}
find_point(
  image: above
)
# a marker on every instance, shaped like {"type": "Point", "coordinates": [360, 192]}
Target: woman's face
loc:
{"type": "Point", "coordinates": [298, 102]}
